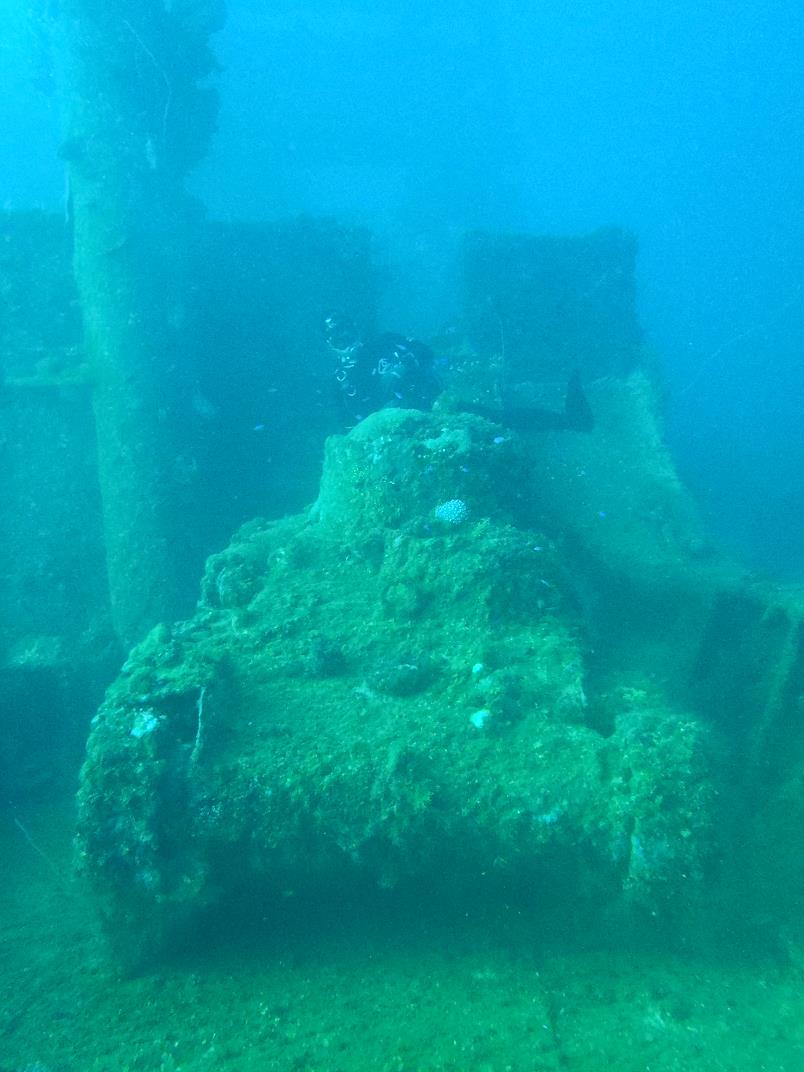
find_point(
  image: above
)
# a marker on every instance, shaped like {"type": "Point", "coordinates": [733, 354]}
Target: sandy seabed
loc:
{"type": "Point", "coordinates": [386, 990]}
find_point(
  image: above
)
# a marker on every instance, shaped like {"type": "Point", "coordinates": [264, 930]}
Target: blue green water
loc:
{"type": "Point", "coordinates": [470, 739]}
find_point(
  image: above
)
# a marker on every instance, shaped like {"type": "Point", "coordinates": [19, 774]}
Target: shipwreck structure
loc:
{"type": "Point", "coordinates": [481, 659]}
{"type": "Point", "coordinates": [476, 656]}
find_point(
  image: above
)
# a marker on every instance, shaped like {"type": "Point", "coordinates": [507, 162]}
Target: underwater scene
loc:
{"type": "Point", "coordinates": [401, 537]}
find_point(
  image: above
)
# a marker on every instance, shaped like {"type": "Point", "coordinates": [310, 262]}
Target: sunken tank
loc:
{"type": "Point", "coordinates": [395, 686]}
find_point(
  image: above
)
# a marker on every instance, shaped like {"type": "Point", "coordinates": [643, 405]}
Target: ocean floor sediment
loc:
{"type": "Point", "coordinates": [389, 988]}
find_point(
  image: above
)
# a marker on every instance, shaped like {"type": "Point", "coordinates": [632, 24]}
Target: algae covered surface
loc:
{"type": "Point", "coordinates": [487, 758]}
{"type": "Point", "coordinates": [374, 691]}
{"type": "Point", "coordinates": [417, 788]}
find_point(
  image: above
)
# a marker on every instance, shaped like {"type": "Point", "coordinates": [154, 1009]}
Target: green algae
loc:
{"type": "Point", "coordinates": [368, 693]}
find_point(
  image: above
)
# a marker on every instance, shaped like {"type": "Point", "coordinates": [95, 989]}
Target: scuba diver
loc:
{"type": "Point", "coordinates": [389, 370]}
{"type": "Point", "coordinates": [393, 370]}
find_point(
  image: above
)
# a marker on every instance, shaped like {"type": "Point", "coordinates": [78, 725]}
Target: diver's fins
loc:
{"type": "Point", "coordinates": [578, 414]}
{"type": "Point", "coordinates": [576, 417]}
